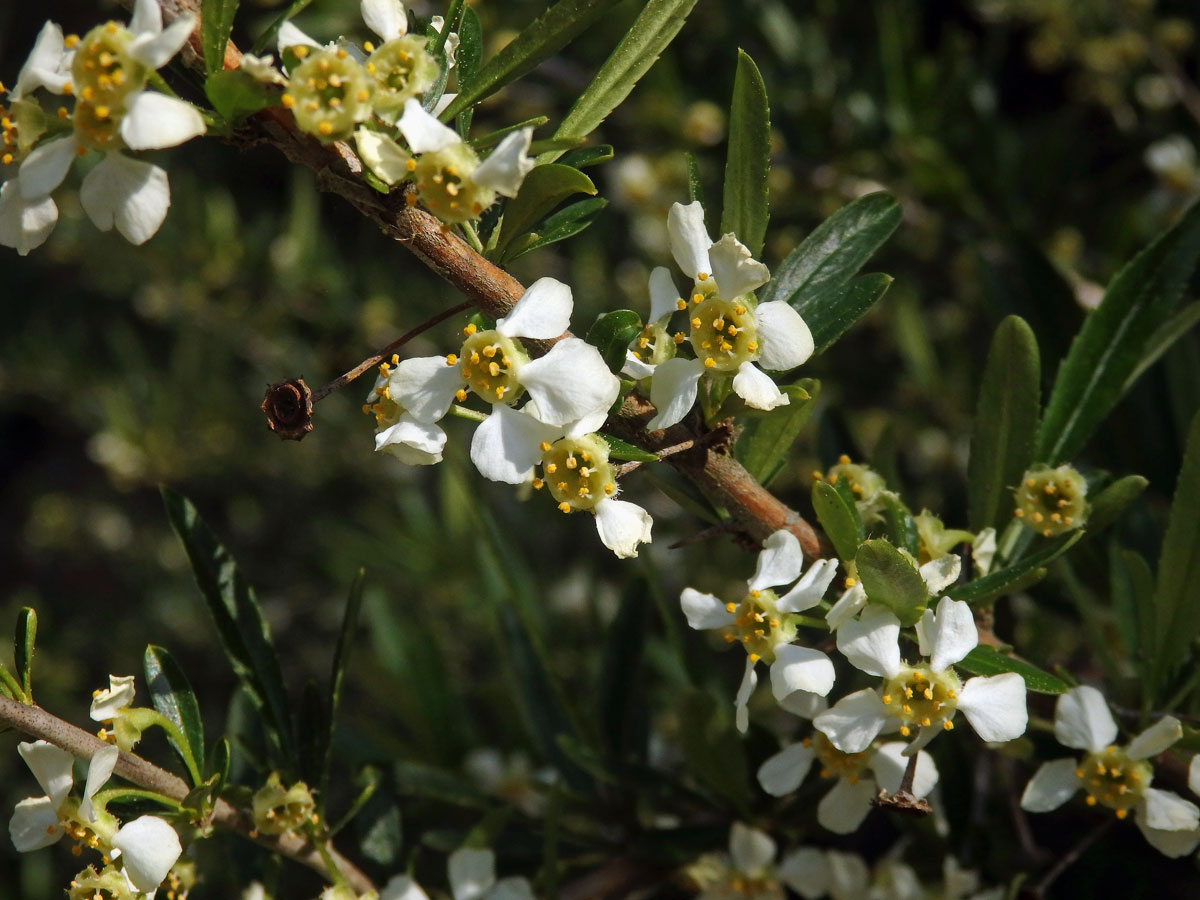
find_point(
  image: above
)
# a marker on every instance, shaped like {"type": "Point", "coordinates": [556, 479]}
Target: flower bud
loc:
{"type": "Point", "coordinates": [1052, 501]}
{"type": "Point", "coordinates": [278, 810]}
{"type": "Point", "coordinates": [329, 93]}
{"type": "Point", "coordinates": [445, 186]}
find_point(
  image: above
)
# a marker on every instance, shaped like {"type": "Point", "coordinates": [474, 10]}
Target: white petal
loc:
{"type": "Point", "coordinates": [995, 706]}
{"type": "Point", "coordinates": [424, 133]}
{"type": "Point", "coordinates": [153, 121]}
{"type": "Point", "coordinates": [261, 68]}
{"type": "Point", "coordinates": [505, 168]}
{"type": "Point", "coordinates": [799, 668]}
{"type": "Point", "coordinates": [889, 764]}
{"type": "Point", "coordinates": [622, 526]}
{"type": "Point", "coordinates": [983, 550]}
{"type": "Point", "coordinates": [844, 807]}
{"type": "Point", "coordinates": [745, 689]}
{"type": "Point", "coordinates": [872, 642]}
{"type": "Point", "coordinates": [589, 424]}
{"type": "Point", "coordinates": [24, 224]}
{"type": "Point", "coordinates": [784, 339]}
{"type": "Point", "coordinates": [447, 98]}
{"type": "Point", "coordinates": [849, 877]}
{"type": "Point", "coordinates": [751, 850]}
{"type": "Point", "coordinates": [425, 386]}
{"type": "Point", "coordinates": [1082, 720]}
{"type": "Point", "coordinates": [663, 295]}
{"type": "Point", "coordinates": [401, 887]}
{"type": "Point", "coordinates": [852, 601]}
{"type": "Point", "coordinates": [940, 573]}
{"type": "Point", "coordinates": [757, 388]}
{"type": "Point", "coordinates": [413, 443]}
{"type": "Point", "coordinates": [569, 382]}
{"type": "Point", "coordinates": [1169, 843]}
{"type": "Point", "coordinates": [1155, 739]}
{"type": "Point", "coordinates": [734, 268]}
{"type": "Point", "coordinates": [99, 771]}
{"type": "Point", "coordinates": [809, 590]}
{"type": "Point", "coordinates": [1051, 785]}
{"type": "Point", "coordinates": [149, 847]}
{"type": "Point", "coordinates": [514, 888]}
{"type": "Point", "coordinates": [154, 50]}
{"type": "Point", "coordinates": [542, 313]}
{"type": "Point", "coordinates": [45, 168]}
{"type": "Point", "coordinates": [948, 635]}
{"type": "Point", "coordinates": [51, 766]}
{"type": "Point", "coordinates": [43, 66]}
{"type": "Point", "coordinates": [382, 155]}
{"type": "Point", "coordinates": [119, 694]}
{"type": "Point", "coordinates": [290, 35]}
{"type": "Point", "coordinates": [147, 18]}
{"type": "Point", "coordinates": [507, 445]}
{"type": "Point", "coordinates": [673, 390]}
{"type": "Point", "coordinates": [1165, 811]}
{"type": "Point", "coordinates": [34, 824]}
{"type": "Point", "coordinates": [782, 773]}
{"type": "Point", "coordinates": [804, 704]}
{"type": "Point", "coordinates": [704, 610]}
{"type": "Point", "coordinates": [385, 17]}
{"type": "Point", "coordinates": [128, 193]}
{"type": "Point", "coordinates": [471, 872]}
{"type": "Point", "coordinates": [780, 561]}
{"type": "Point", "coordinates": [636, 369]}
{"type": "Point", "coordinates": [854, 721]}
{"type": "Point", "coordinates": [689, 239]}
{"type": "Point", "coordinates": [806, 872]}
{"type": "Point", "coordinates": [1194, 774]}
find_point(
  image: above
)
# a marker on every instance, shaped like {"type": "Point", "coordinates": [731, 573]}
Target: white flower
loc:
{"type": "Point", "coordinates": [397, 432]}
{"type": "Point", "coordinates": [24, 224]}
{"type": "Point", "coordinates": [1113, 776]}
{"type": "Point", "coordinates": [845, 806]}
{"type": "Point", "coordinates": [149, 848]}
{"type": "Point", "coordinates": [729, 332]}
{"type": "Point", "coordinates": [764, 622]}
{"type": "Point", "coordinates": [437, 23]}
{"type": "Point", "coordinates": [926, 695]}
{"type": "Point", "coordinates": [48, 65]}
{"type": "Point", "coordinates": [38, 821]}
{"type": "Point", "coordinates": [386, 18]}
{"type": "Point", "coordinates": [262, 68]}
{"type": "Point", "coordinates": [747, 871]}
{"type": "Point", "coordinates": [473, 877]}
{"type": "Point", "coordinates": [654, 344]}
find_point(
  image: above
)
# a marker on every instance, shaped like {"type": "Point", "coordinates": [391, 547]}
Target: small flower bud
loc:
{"type": "Point", "coordinates": [1052, 501]}
{"type": "Point", "coordinates": [277, 810]}
{"type": "Point", "coordinates": [401, 68]}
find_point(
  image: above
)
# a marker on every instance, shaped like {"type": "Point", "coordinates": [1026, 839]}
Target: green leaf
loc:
{"type": "Point", "coordinates": [744, 209]}
{"type": "Point", "coordinates": [216, 24]}
{"type": "Point", "coordinates": [1176, 610]}
{"type": "Point", "coordinates": [1016, 577]}
{"type": "Point", "coordinates": [240, 624]}
{"type": "Point", "coordinates": [24, 641]}
{"type": "Point", "coordinates": [1114, 339]}
{"type": "Point", "coordinates": [619, 449]}
{"type": "Point", "coordinates": [1164, 339]}
{"type": "Point", "coordinates": [543, 189]}
{"type": "Point", "coordinates": [466, 62]}
{"type": "Point", "coordinates": [1005, 423]}
{"type": "Point", "coordinates": [985, 660]}
{"type": "Point", "coordinates": [218, 762]}
{"type": "Point", "coordinates": [683, 493]}
{"type": "Point", "coordinates": [1131, 584]}
{"type": "Point", "coordinates": [492, 138]}
{"type": "Point", "coordinates": [612, 334]}
{"type": "Point", "coordinates": [714, 752]}
{"type": "Point", "coordinates": [890, 579]}
{"type": "Point", "coordinates": [695, 184]}
{"type": "Point", "coordinates": [621, 697]}
{"type": "Point", "coordinates": [815, 276]}
{"type": "Point", "coordinates": [267, 38]}
{"type": "Point", "coordinates": [172, 696]}
{"type": "Point", "coordinates": [1108, 505]}
{"type": "Point", "coordinates": [587, 156]}
{"type": "Point", "coordinates": [337, 675]}
{"type": "Point", "coordinates": [567, 222]}
{"type": "Point", "coordinates": [541, 39]}
{"type": "Point", "coordinates": [839, 518]}
{"type": "Point", "coordinates": [649, 35]}
{"type": "Point", "coordinates": [235, 94]}
{"type": "Point", "coordinates": [765, 442]}
{"type": "Point", "coordinates": [901, 526]}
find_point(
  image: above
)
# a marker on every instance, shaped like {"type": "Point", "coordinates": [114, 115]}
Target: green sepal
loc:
{"type": "Point", "coordinates": [612, 333]}
{"type": "Point", "coordinates": [890, 579]}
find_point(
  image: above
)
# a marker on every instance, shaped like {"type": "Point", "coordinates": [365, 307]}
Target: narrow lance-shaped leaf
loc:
{"type": "Point", "coordinates": [744, 210]}
{"type": "Point", "coordinates": [337, 675]}
{"type": "Point", "coordinates": [466, 62]}
{"type": "Point", "coordinates": [839, 518]}
{"type": "Point", "coordinates": [216, 24]}
{"type": "Point", "coordinates": [1107, 506]}
{"type": "Point", "coordinates": [543, 189]}
{"type": "Point", "coordinates": [1114, 339]}
{"type": "Point", "coordinates": [566, 223]}
{"type": "Point", "coordinates": [172, 695]}
{"type": "Point", "coordinates": [1019, 576]}
{"type": "Point", "coordinates": [891, 580]}
{"type": "Point", "coordinates": [621, 697]}
{"type": "Point", "coordinates": [985, 660]}
{"type": "Point", "coordinates": [24, 640]}
{"type": "Point", "coordinates": [830, 316]}
{"type": "Point", "coordinates": [1005, 423]}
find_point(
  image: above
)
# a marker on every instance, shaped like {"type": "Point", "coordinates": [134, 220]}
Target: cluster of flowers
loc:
{"type": "Point", "coordinates": [107, 72]}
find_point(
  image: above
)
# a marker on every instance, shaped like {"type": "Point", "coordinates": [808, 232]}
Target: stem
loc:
{"type": "Point", "coordinates": [103, 798]}
{"type": "Point", "coordinates": [37, 723]}
{"type": "Point", "coordinates": [463, 412]}
{"type": "Point", "coordinates": [910, 774]}
{"type": "Point", "coordinates": [472, 237]}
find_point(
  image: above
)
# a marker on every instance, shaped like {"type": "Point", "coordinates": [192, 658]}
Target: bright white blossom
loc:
{"type": "Point", "coordinates": [40, 821]}
{"type": "Point", "coordinates": [729, 331]}
{"type": "Point", "coordinates": [397, 432]}
{"type": "Point", "coordinates": [925, 695]}
{"type": "Point", "coordinates": [148, 847]}
{"type": "Point", "coordinates": [765, 623]}
{"type": "Point", "coordinates": [472, 877]}
{"type": "Point", "coordinates": [112, 706]}
{"type": "Point", "coordinates": [1114, 776]}
{"type": "Point", "coordinates": [746, 872]}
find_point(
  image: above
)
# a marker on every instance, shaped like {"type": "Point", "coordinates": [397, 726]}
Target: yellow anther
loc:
{"type": "Point", "coordinates": [490, 350]}
{"type": "Point", "coordinates": [461, 395]}
{"type": "Point", "coordinates": [906, 709]}
{"type": "Point", "coordinates": [7, 158]}
{"type": "Point", "coordinates": [1050, 488]}
{"type": "Point", "coordinates": [538, 484]}
{"type": "Point", "coordinates": [752, 346]}
{"type": "Point", "coordinates": [62, 112]}
{"type": "Point", "coordinates": [572, 462]}
{"type": "Point", "coordinates": [905, 731]}
{"type": "Point", "coordinates": [1089, 800]}
{"type": "Point", "coordinates": [325, 128]}
{"type": "Point", "coordinates": [697, 298]}
{"type": "Point", "coordinates": [729, 638]}
{"type": "Point", "coordinates": [928, 693]}
{"type": "Point", "coordinates": [754, 657]}
{"type": "Point", "coordinates": [887, 699]}
{"type": "Point", "coordinates": [471, 327]}
{"type": "Point", "coordinates": [493, 369]}
{"type": "Point", "coordinates": [562, 486]}
{"type": "Point", "coordinates": [844, 460]}
{"type": "Point", "coordinates": [451, 359]}
{"type": "Point", "coordinates": [696, 323]}
{"type": "Point", "coordinates": [544, 446]}
{"type": "Point", "coordinates": [702, 276]}
{"type": "Point", "coordinates": [1038, 517]}
{"type": "Point", "coordinates": [1122, 813]}
{"type": "Point", "coordinates": [551, 468]}
{"type": "Point", "coordinates": [564, 507]}
{"type": "Point", "coordinates": [925, 721]}
{"type": "Point", "coordinates": [681, 303]}
{"type": "Point", "coordinates": [947, 725]}
{"type": "Point", "coordinates": [610, 488]}
{"type": "Point", "coordinates": [908, 693]}
{"type": "Point", "coordinates": [300, 52]}
{"type": "Point", "coordinates": [709, 362]}
{"type": "Point", "coordinates": [1019, 513]}
{"type": "Point", "coordinates": [501, 391]}
{"type": "Point", "coordinates": [411, 165]}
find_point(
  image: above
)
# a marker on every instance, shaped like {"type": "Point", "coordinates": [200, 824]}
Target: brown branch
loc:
{"type": "Point", "coordinates": [39, 724]}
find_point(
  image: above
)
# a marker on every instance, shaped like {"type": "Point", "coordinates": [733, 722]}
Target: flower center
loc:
{"type": "Point", "coordinates": [918, 696]}
{"type": "Point", "coordinates": [329, 93]}
{"type": "Point", "coordinates": [401, 69]}
{"type": "Point", "coordinates": [1114, 780]}
{"type": "Point", "coordinates": [104, 76]}
{"type": "Point", "coordinates": [578, 472]}
{"type": "Point", "coordinates": [1051, 501]}
{"type": "Point", "coordinates": [759, 625]}
{"type": "Point", "coordinates": [835, 763]}
{"type": "Point", "coordinates": [444, 183]}
{"type": "Point", "coordinates": [489, 363]}
{"type": "Point", "coordinates": [723, 333]}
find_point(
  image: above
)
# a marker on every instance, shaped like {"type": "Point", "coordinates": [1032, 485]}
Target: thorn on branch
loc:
{"type": "Point", "coordinates": [289, 408]}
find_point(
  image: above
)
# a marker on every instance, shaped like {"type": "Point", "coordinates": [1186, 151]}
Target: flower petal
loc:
{"type": "Point", "coordinates": [1169, 843]}
{"type": "Point", "coordinates": [673, 390]}
{"type": "Point", "coordinates": [622, 526]}
{"type": "Point", "coordinates": [735, 269]}
{"type": "Point", "coordinates": [889, 764]}
{"type": "Point", "coordinates": [1082, 720]}
{"type": "Point", "coordinates": [852, 601]}
{"type": "Point", "coordinates": [752, 851]}
{"type": "Point", "coordinates": [385, 17]}
{"type": "Point", "coordinates": [290, 35]}
{"type": "Point", "coordinates": [844, 807]}
{"type": "Point", "coordinates": [983, 550]}
{"type": "Point", "coordinates": [471, 872]}
{"type": "Point", "coordinates": [1165, 811]}
{"type": "Point", "coordinates": [24, 224]}
{"type": "Point", "coordinates": [402, 887]}
{"type": "Point", "coordinates": [413, 443]}
{"type": "Point", "coordinates": [44, 66]}
{"type": "Point", "coordinates": [34, 824]}
{"type": "Point", "coordinates": [424, 133]}
{"type": "Point", "coordinates": [804, 704]}
{"type": "Point", "coordinates": [848, 875]}
{"type": "Point", "coordinates": [507, 445]}
{"type": "Point", "coordinates": [663, 294]}
{"type": "Point", "coordinates": [542, 313]}
{"type": "Point", "coordinates": [872, 642]}
{"type": "Point", "coordinates": [854, 721]}
{"type": "Point", "coordinates": [569, 382]}
{"type": "Point", "coordinates": [757, 388]}
{"type": "Point", "coordinates": [940, 573]}
{"type": "Point", "coordinates": [741, 715]}
{"type": "Point", "coordinates": [147, 18]}
{"type": "Point", "coordinates": [128, 193]}
{"type": "Point", "coordinates": [51, 766]}
{"type": "Point", "coordinates": [149, 847]}
{"type": "Point", "coordinates": [99, 771]}
{"type": "Point", "coordinates": [784, 337]}
{"type": "Point", "coordinates": [799, 668]}
{"type": "Point", "coordinates": [780, 561]}
{"type": "Point", "coordinates": [635, 368]}
{"type": "Point", "coordinates": [1051, 785]}
{"type": "Point", "coordinates": [424, 386]}
{"type": "Point", "coordinates": [806, 872]}
{"type": "Point", "coordinates": [689, 239]}
{"type": "Point", "coordinates": [782, 773]}
{"type": "Point", "coordinates": [704, 610]}
{"type": "Point", "coordinates": [513, 888]}
{"type": "Point", "coordinates": [809, 590]}
{"type": "Point", "coordinates": [45, 168]}
{"type": "Point", "coordinates": [1155, 739]}
{"type": "Point", "coordinates": [153, 121]}
{"type": "Point", "coordinates": [154, 49]}
{"type": "Point", "coordinates": [995, 706]}
{"type": "Point", "coordinates": [949, 635]}
{"type": "Point", "coordinates": [382, 155]}
{"type": "Point", "coordinates": [505, 168]}
{"type": "Point", "coordinates": [1194, 774]}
